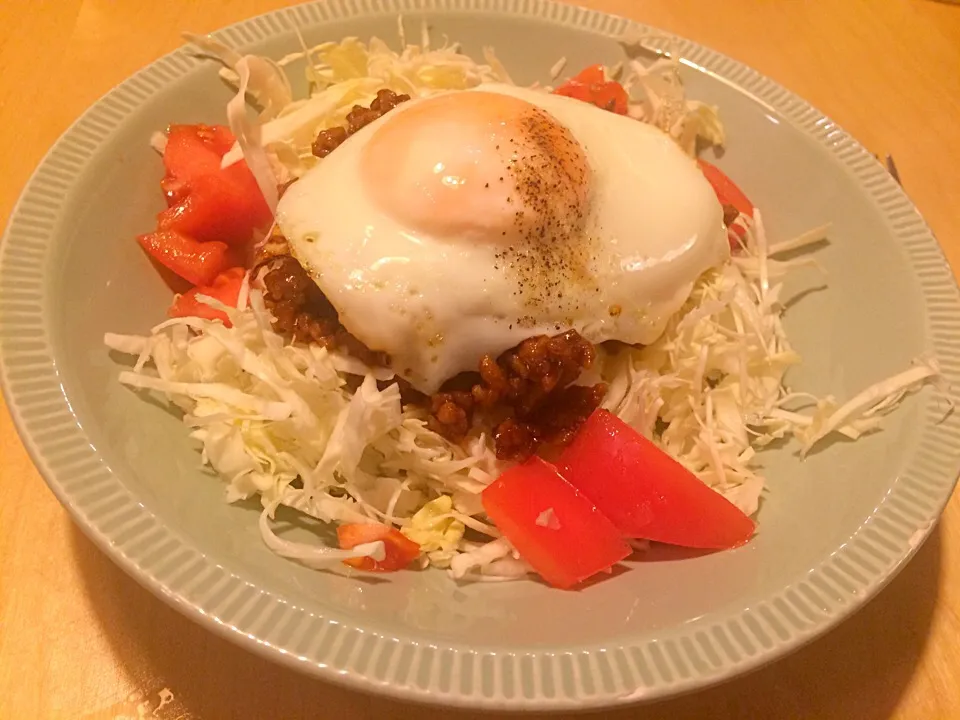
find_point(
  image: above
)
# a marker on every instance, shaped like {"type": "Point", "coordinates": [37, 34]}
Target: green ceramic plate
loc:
{"type": "Point", "coordinates": [833, 528]}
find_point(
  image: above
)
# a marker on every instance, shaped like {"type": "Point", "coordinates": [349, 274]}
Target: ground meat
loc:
{"type": "Point", "coordinates": [359, 117]}
{"type": "Point", "coordinates": [554, 423]}
{"type": "Point", "coordinates": [273, 245]}
{"type": "Point", "coordinates": [299, 308]}
{"type": "Point", "coordinates": [451, 412]}
{"type": "Point", "coordinates": [526, 394]}
{"type": "Point", "coordinates": [328, 140]}
{"type": "Point", "coordinates": [302, 311]}
{"type": "Point", "coordinates": [525, 376]}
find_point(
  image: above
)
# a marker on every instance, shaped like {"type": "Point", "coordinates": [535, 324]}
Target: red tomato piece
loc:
{"type": "Point", "coordinates": [174, 190]}
{"type": "Point", "coordinates": [225, 288]}
{"type": "Point", "coordinates": [575, 90]}
{"type": "Point", "coordinates": [728, 194]}
{"type": "Point", "coordinates": [224, 207]}
{"type": "Point", "coordinates": [195, 150]}
{"type": "Point", "coordinates": [400, 550]}
{"type": "Point", "coordinates": [611, 96]}
{"type": "Point", "coordinates": [727, 191]}
{"type": "Point", "coordinates": [205, 201]}
{"type": "Point", "coordinates": [607, 95]}
{"type": "Point", "coordinates": [590, 75]}
{"type": "Point", "coordinates": [197, 262]}
{"type": "Point", "coordinates": [553, 527]}
{"type": "Point", "coordinates": [645, 492]}
{"type": "Point", "coordinates": [591, 86]}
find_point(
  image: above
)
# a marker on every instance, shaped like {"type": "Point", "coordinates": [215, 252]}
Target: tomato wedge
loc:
{"type": "Point", "coordinates": [728, 194]}
{"type": "Point", "coordinates": [590, 75]}
{"type": "Point", "coordinates": [590, 85]}
{"type": "Point", "coordinates": [727, 191]}
{"type": "Point", "coordinates": [224, 207]}
{"type": "Point", "coordinates": [225, 288]}
{"type": "Point", "coordinates": [553, 527]}
{"type": "Point", "coordinates": [645, 492]}
{"type": "Point", "coordinates": [195, 150]}
{"type": "Point", "coordinates": [205, 201]}
{"type": "Point", "coordinates": [174, 190]}
{"type": "Point", "coordinates": [400, 550]}
{"type": "Point", "coordinates": [197, 262]}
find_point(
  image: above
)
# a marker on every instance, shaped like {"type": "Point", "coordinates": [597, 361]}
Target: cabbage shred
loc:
{"type": "Point", "coordinates": [323, 434]}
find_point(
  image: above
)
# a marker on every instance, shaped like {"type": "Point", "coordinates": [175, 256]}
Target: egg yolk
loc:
{"type": "Point", "coordinates": [478, 166]}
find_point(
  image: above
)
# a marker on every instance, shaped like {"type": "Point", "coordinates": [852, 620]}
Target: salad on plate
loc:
{"type": "Point", "coordinates": [502, 331]}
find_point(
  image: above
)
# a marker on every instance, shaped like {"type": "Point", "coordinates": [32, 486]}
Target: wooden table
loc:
{"type": "Point", "coordinates": [79, 639]}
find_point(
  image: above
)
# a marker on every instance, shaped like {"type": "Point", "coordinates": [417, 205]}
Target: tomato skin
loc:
{"type": "Point", "coordinates": [611, 96]}
{"type": "Point", "coordinates": [575, 541]}
{"type": "Point", "coordinates": [222, 207]}
{"type": "Point", "coordinates": [591, 75]}
{"type": "Point", "coordinates": [198, 263]}
{"type": "Point", "coordinates": [174, 190]}
{"type": "Point", "coordinates": [590, 85]}
{"type": "Point", "coordinates": [195, 150]}
{"type": "Point", "coordinates": [727, 193]}
{"type": "Point", "coordinates": [205, 201]}
{"type": "Point", "coordinates": [225, 288]}
{"type": "Point", "coordinates": [645, 492]}
{"type": "Point", "coordinates": [400, 550]}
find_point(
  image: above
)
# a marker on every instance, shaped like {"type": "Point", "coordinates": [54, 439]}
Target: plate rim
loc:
{"type": "Point", "coordinates": [672, 664]}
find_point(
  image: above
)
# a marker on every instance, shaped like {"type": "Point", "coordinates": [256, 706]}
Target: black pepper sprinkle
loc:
{"type": "Point", "coordinates": [553, 256]}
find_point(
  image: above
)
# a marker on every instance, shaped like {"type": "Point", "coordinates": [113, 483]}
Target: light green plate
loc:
{"type": "Point", "coordinates": [833, 528]}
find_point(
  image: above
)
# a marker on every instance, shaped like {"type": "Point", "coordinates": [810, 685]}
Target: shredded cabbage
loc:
{"type": "Point", "coordinates": [248, 134]}
{"type": "Point", "coordinates": [711, 391]}
{"type": "Point", "coordinates": [278, 420]}
{"type": "Point", "coordinates": [658, 97]}
{"type": "Point", "coordinates": [436, 529]}
{"type": "Point", "coordinates": [282, 422]}
{"type": "Point", "coordinates": [343, 74]}
{"type": "Point", "coordinates": [267, 84]}
{"type": "Point", "coordinates": [347, 73]}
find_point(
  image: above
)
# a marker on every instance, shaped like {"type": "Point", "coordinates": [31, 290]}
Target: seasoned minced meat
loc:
{"type": "Point", "coordinates": [528, 394]}
{"type": "Point", "coordinates": [302, 311]}
{"type": "Point", "coordinates": [359, 117]}
{"type": "Point", "coordinates": [555, 422]}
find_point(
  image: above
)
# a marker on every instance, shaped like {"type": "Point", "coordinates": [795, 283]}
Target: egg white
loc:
{"type": "Point", "coordinates": [437, 305]}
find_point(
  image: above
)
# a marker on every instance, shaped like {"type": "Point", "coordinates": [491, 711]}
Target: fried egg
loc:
{"type": "Point", "coordinates": [458, 225]}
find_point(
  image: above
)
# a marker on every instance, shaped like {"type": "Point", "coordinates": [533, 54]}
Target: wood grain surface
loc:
{"type": "Point", "coordinates": [79, 639]}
